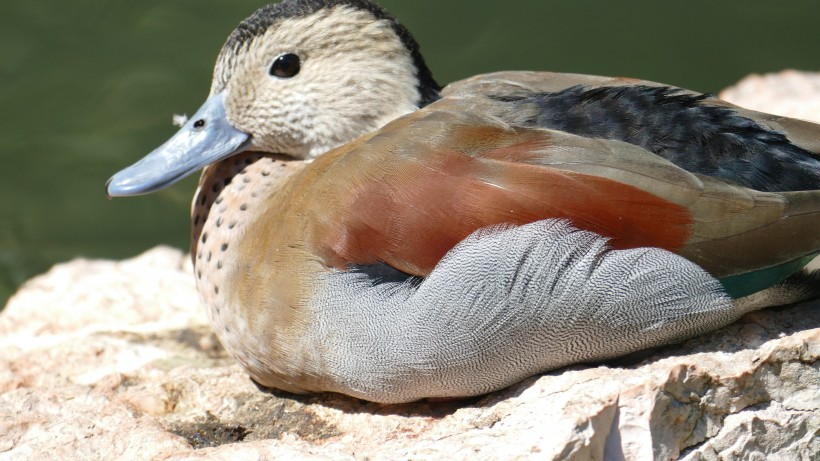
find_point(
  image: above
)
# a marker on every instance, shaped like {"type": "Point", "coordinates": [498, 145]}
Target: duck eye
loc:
{"type": "Point", "coordinates": [286, 66]}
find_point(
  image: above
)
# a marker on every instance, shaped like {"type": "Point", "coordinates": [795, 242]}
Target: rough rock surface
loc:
{"type": "Point", "coordinates": [115, 360]}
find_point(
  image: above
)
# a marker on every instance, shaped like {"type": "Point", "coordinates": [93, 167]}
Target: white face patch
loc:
{"type": "Point", "coordinates": [355, 76]}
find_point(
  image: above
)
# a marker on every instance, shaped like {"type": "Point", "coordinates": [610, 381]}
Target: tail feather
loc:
{"type": "Point", "coordinates": [759, 242]}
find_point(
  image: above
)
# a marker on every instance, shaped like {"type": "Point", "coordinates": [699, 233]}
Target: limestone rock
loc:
{"type": "Point", "coordinates": [790, 93]}
{"type": "Point", "coordinates": [115, 360]}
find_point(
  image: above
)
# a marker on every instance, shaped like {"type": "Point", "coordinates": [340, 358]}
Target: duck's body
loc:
{"type": "Point", "coordinates": [356, 272]}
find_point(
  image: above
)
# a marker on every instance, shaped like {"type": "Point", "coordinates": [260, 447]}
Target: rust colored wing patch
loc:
{"type": "Point", "coordinates": [408, 207]}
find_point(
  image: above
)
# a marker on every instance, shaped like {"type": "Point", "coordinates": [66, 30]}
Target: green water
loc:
{"type": "Point", "coordinates": [87, 87]}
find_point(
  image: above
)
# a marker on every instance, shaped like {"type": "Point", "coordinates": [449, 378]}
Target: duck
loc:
{"type": "Point", "coordinates": [359, 229]}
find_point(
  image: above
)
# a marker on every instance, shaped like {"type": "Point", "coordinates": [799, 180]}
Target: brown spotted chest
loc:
{"type": "Point", "coordinates": [229, 195]}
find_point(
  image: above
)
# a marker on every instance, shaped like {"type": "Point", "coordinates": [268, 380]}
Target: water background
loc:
{"type": "Point", "coordinates": [89, 86]}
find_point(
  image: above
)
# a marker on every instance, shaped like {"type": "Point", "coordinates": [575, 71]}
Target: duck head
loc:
{"type": "Point", "coordinates": [297, 78]}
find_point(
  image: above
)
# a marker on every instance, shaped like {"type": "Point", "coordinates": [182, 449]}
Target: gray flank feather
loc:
{"type": "Point", "coordinates": [506, 303]}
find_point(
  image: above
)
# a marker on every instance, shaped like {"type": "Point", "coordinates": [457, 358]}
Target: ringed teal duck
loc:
{"type": "Point", "coordinates": [359, 230]}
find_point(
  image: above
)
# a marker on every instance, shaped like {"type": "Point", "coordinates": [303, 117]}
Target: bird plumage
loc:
{"type": "Point", "coordinates": [448, 244]}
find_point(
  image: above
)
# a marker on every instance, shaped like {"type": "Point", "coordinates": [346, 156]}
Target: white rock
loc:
{"type": "Point", "coordinates": [790, 93]}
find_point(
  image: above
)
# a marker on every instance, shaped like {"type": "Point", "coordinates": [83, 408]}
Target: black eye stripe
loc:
{"type": "Point", "coordinates": [286, 66]}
